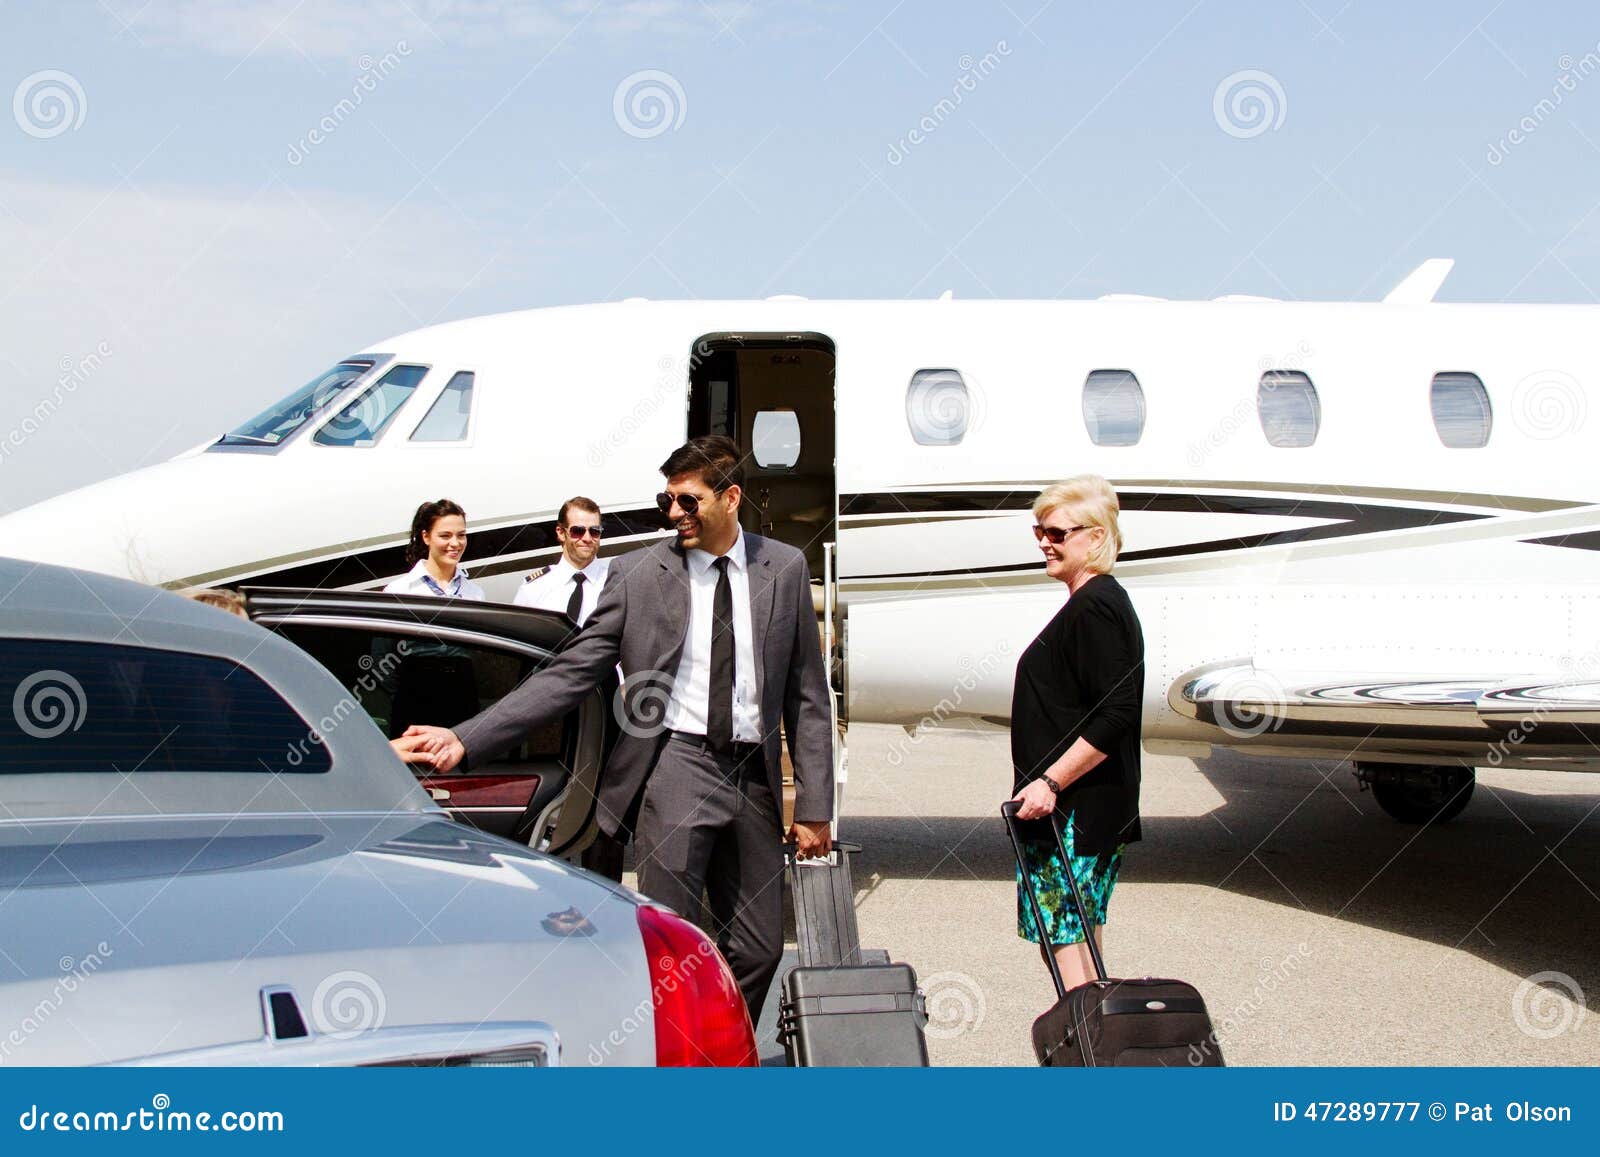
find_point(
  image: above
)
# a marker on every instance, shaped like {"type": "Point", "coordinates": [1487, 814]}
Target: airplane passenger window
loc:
{"type": "Point", "coordinates": [1113, 408]}
{"type": "Point", "coordinates": [447, 419]}
{"type": "Point", "coordinates": [363, 420]}
{"type": "Point", "coordinates": [1461, 412]}
{"type": "Point", "coordinates": [938, 407]}
{"type": "Point", "coordinates": [775, 439]}
{"type": "Point", "coordinates": [277, 422]}
{"type": "Point", "coordinates": [1287, 404]}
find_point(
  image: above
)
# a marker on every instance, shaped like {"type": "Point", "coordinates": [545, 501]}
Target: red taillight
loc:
{"type": "Point", "coordinates": [701, 1018]}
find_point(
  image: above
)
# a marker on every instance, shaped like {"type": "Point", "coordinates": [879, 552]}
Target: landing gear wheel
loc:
{"type": "Point", "coordinates": [1417, 793]}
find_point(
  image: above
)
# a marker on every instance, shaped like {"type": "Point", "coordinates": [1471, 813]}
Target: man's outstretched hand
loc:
{"type": "Point", "coordinates": [437, 746]}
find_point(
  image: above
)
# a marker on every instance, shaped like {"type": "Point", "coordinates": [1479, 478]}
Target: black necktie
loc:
{"type": "Point", "coordinates": [719, 705]}
{"type": "Point", "coordinates": [575, 602]}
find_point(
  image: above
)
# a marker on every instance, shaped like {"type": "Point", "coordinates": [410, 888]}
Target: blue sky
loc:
{"type": "Point", "coordinates": [164, 208]}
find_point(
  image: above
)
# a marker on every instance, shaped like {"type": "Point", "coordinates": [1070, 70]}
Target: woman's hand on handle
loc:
{"type": "Point", "coordinates": [1035, 800]}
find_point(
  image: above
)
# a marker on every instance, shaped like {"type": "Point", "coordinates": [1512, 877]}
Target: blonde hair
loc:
{"type": "Point", "coordinates": [1089, 501]}
{"type": "Point", "coordinates": [219, 597]}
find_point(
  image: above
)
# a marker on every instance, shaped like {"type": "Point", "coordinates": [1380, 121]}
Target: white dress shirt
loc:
{"type": "Point", "coordinates": [551, 590]}
{"type": "Point", "coordinates": [691, 686]}
{"type": "Point", "coordinates": [417, 581]}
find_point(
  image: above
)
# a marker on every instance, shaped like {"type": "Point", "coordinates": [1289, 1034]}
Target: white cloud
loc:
{"type": "Point", "coordinates": [342, 29]}
{"type": "Point", "coordinates": [199, 307]}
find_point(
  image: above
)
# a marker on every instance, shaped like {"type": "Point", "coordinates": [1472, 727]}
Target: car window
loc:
{"type": "Point", "coordinates": [400, 679]}
{"type": "Point", "coordinates": [99, 707]}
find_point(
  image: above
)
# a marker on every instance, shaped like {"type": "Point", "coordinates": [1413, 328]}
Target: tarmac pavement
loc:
{"type": "Point", "coordinates": [1319, 930]}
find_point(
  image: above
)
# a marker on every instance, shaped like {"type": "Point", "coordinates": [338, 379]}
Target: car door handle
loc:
{"type": "Point", "coordinates": [439, 793]}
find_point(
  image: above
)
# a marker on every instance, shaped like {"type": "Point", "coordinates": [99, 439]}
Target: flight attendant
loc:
{"type": "Point", "coordinates": [435, 682]}
{"type": "Point", "coordinates": [438, 540]}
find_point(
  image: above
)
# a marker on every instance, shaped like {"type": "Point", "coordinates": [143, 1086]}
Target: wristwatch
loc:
{"type": "Point", "coordinates": [1055, 788]}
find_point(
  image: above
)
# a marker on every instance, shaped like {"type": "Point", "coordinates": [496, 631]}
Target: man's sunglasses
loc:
{"type": "Point", "coordinates": [581, 531]}
{"type": "Point", "coordinates": [687, 503]}
{"type": "Point", "coordinates": [1056, 534]}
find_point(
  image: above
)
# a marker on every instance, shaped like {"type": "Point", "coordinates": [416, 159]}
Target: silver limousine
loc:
{"type": "Point", "coordinates": [209, 854]}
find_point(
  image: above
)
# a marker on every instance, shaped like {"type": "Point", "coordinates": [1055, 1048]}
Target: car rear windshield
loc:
{"type": "Point", "coordinates": [97, 707]}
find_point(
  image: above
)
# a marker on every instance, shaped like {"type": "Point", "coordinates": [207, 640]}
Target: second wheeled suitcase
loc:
{"type": "Point", "coordinates": [853, 1015]}
{"type": "Point", "coordinates": [1106, 1022]}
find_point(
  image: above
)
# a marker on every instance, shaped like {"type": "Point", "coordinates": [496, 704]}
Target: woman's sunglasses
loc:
{"type": "Point", "coordinates": [582, 531]}
{"type": "Point", "coordinates": [1056, 534]}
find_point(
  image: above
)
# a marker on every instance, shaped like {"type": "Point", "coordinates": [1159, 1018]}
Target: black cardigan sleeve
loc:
{"type": "Point", "coordinates": [1107, 659]}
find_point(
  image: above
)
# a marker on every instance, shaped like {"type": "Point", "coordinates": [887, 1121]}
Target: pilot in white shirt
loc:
{"type": "Point", "coordinates": [573, 584]}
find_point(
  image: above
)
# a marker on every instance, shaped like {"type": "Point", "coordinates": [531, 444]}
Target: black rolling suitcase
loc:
{"type": "Point", "coordinates": [1124, 1023]}
{"type": "Point", "coordinates": [844, 1006]}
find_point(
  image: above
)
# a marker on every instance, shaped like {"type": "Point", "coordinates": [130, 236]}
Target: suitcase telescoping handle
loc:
{"type": "Point", "coordinates": [1009, 811]}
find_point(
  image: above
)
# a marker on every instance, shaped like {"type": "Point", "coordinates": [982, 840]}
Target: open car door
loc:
{"type": "Point", "coordinates": [415, 659]}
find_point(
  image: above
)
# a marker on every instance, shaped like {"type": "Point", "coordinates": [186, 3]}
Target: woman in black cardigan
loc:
{"type": "Point", "coordinates": [1075, 721]}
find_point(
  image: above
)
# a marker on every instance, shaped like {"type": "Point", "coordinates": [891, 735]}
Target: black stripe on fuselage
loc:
{"type": "Point", "coordinates": [1355, 518]}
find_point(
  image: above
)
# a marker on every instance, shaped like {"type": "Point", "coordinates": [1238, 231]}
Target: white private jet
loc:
{"type": "Point", "coordinates": [1352, 530]}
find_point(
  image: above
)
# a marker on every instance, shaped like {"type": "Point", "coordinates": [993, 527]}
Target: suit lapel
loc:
{"type": "Point", "coordinates": [672, 587]}
{"type": "Point", "coordinates": [758, 567]}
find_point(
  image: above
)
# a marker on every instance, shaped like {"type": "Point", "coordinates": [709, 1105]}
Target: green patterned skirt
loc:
{"type": "Point", "coordinates": [1096, 876]}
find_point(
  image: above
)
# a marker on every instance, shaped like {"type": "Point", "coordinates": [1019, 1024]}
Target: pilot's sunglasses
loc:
{"type": "Point", "coordinates": [687, 503]}
{"type": "Point", "coordinates": [1056, 534]}
{"type": "Point", "coordinates": [582, 531]}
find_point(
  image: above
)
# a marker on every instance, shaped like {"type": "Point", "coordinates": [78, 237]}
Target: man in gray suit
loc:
{"type": "Point", "coordinates": [717, 637]}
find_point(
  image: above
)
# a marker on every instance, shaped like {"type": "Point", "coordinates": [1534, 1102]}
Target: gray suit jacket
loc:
{"type": "Point", "coordinates": [641, 621]}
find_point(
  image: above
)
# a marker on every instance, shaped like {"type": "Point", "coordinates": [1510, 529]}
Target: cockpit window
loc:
{"type": "Point", "coordinates": [277, 422]}
{"type": "Point", "coordinates": [447, 419]}
{"type": "Point", "coordinates": [364, 419]}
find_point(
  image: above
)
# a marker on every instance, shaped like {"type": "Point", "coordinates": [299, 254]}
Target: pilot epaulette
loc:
{"type": "Point", "coordinates": [537, 574]}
